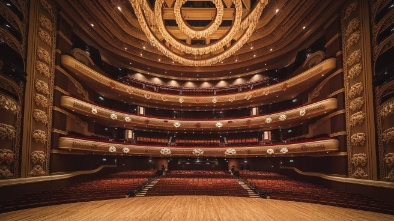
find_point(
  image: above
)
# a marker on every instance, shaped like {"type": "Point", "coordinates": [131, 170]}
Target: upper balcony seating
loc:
{"type": "Point", "coordinates": [112, 186]}
{"type": "Point", "coordinates": [288, 188]}
{"type": "Point", "coordinates": [197, 91]}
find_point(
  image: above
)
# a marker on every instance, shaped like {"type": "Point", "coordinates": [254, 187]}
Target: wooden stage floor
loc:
{"type": "Point", "coordinates": [193, 208]}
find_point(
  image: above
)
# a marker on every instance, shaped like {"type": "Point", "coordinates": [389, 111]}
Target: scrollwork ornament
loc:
{"type": "Point", "coordinates": [356, 104]}
{"type": "Point", "coordinates": [284, 150]}
{"type": "Point", "coordinates": [354, 57]}
{"type": "Point", "coordinates": [38, 157]}
{"type": "Point", "coordinates": [360, 173]}
{"type": "Point", "coordinates": [165, 151]}
{"type": "Point", "coordinates": [353, 39]}
{"type": "Point", "coordinates": [355, 90]}
{"type": "Point", "coordinates": [302, 112]}
{"type": "Point", "coordinates": [94, 110]}
{"type": "Point", "coordinates": [350, 9]}
{"type": "Point", "coordinates": [268, 120]}
{"type": "Point", "coordinates": [43, 55]}
{"type": "Point", "coordinates": [7, 131]}
{"type": "Point", "coordinates": [44, 36]}
{"type": "Point", "coordinates": [41, 100]}
{"type": "Point", "coordinates": [9, 104]}
{"type": "Point", "coordinates": [282, 117]}
{"type": "Point", "coordinates": [357, 118]}
{"type": "Point", "coordinates": [388, 135]}
{"type": "Point", "coordinates": [352, 26]}
{"type": "Point", "coordinates": [230, 151]}
{"type": "Point", "coordinates": [39, 136]}
{"type": "Point", "coordinates": [42, 68]}
{"type": "Point", "coordinates": [358, 139]}
{"type": "Point", "coordinates": [45, 22]}
{"type": "Point", "coordinates": [126, 149]}
{"type": "Point", "coordinates": [219, 124]}
{"type": "Point", "coordinates": [37, 171]}
{"type": "Point", "coordinates": [359, 160]}
{"type": "Point", "coordinates": [42, 87]}
{"type": "Point", "coordinates": [113, 116]}
{"type": "Point", "coordinates": [40, 116]}
{"type": "Point", "coordinates": [6, 156]}
{"type": "Point", "coordinates": [270, 151]}
{"type": "Point", "coordinates": [355, 71]}
{"type": "Point", "coordinates": [198, 152]}
{"type": "Point", "coordinates": [5, 172]}
{"type": "Point", "coordinates": [387, 109]}
{"type": "Point", "coordinates": [127, 119]}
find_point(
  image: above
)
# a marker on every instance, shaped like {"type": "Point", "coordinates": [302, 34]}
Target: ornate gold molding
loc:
{"type": "Point", "coordinates": [342, 90]}
{"type": "Point", "coordinates": [79, 87]}
{"type": "Point", "coordinates": [62, 132]}
{"type": "Point", "coordinates": [341, 133]}
{"type": "Point", "coordinates": [61, 90]}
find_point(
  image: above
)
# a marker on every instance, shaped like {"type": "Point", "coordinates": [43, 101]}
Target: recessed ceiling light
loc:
{"type": "Point", "coordinates": [271, 49]}
{"type": "Point", "coordinates": [92, 24]}
{"type": "Point", "coordinates": [141, 54]}
{"type": "Point", "coordinates": [277, 10]}
{"type": "Point", "coordinates": [251, 47]}
{"type": "Point", "coordinates": [143, 47]}
{"type": "Point", "coordinates": [119, 8]}
{"type": "Point", "coordinates": [254, 55]}
{"type": "Point", "coordinates": [125, 48]}
{"type": "Point", "coordinates": [303, 27]}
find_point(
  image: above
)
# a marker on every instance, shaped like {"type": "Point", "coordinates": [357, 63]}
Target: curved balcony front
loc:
{"type": "Point", "coordinates": [285, 90]}
{"type": "Point", "coordinates": [94, 146]}
{"type": "Point", "coordinates": [282, 119]}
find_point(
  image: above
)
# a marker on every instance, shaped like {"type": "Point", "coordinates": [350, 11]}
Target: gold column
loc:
{"type": "Point", "coordinates": [360, 121]}
{"type": "Point", "coordinates": [40, 67]}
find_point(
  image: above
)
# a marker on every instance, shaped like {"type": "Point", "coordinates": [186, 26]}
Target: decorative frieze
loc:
{"type": "Point", "coordinates": [352, 26]}
{"type": "Point", "coordinates": [197, 152]}
{"type": "Point", "coordinates": [38, 157]}
{"type": "Point", "coordinates": [7, 131]}
{"type": "Point", "coordinates": [42, 68]}
{"type": "Point", "coordinates": [165, 151]}
{"type": "Point", "coordinates": [230, 151]}
{"type": "Point", "coordinates": [9, 104]}
{"type": "Point", "coordinates": [357, 118]}
{"type": "Point", "coordinates": [355, 71]}
{"type": "Point", "coordinates": [42, 87]}
{"type": "Point", "coordinates": [41, 100]}
{"type": "Point", "coordinates": [355, 90]}
{"type": "Point", "coordinates": [353, 39]}
{"type": "Point", "coordinates": [358, 139]}
{"type": "Point", "coordinates": [39, 136]}
{"type": "Point", "coordinates": [356, 103]}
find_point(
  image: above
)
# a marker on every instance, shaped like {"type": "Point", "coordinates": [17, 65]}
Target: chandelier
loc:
{"type": "Point", "coordinates": [153, 25]}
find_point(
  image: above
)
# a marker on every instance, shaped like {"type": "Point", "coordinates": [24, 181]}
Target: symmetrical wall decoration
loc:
{"type": "Point", "coordinates": [7, 157]}
{"type": "Point", "coordinates": [38, 158]}
{"type": "Point", "coordinates": [42, 68]}
{"type": "Point", "coordinates": [358, 82]}
{"type": "Point", "coordinates": [197, 152]}
{"type": "Point", "coordinates": [40, 116]}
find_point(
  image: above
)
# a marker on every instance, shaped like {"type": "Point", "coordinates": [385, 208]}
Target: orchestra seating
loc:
{"type": "Point", "coordinates": [112, 186]}
{"type": "Point", "coordinates": [282, 187]}
{"type": "Point", "coordinates": [194, 182]}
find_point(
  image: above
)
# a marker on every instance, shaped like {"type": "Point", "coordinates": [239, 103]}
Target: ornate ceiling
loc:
{"type": "Point", "coordinates": [199, 39]}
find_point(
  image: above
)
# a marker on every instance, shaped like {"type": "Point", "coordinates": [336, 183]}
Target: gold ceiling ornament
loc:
{"type": "Point", "coordinates": [189, 31]}
{"type": "Point", "coordinates": [151, 20]}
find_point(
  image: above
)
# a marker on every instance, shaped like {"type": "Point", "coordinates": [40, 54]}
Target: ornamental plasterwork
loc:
{"type": "Point", "coordinates": [165, 151]}
{"type": "Point", "coordinates": [37, 171]}
{"type": "Point", "coordinates": [181, 100]}
{"type": "Point", "coordinates": [388, 135]}
{"type": "Point", "coordinates": [230, 151]}
{"type": "Point", "coordinates": [356, 103]}
{"type": "Point", "coordinates": [148, 17]}
{"type": "Point", "coordinates": [5, 172]}
{"type": "Point", "coordinates": [360, 173]}
{"type": "Point", "coordinates": [268, 120]}
{"type": "Point", "coordinates": [126, 149]}
{"type": "Point", "coordinates": [112, 149]}
{"type": "Point", "coordinates": [214, 100]}
{"type": "Point", "coordinates": [42, 68]}
{"type": "Point", "coordinates": [41, 100]}
{"type": "Point", "coordinates": [47, 6]}
{"type": "Point", "coordinates": [357, 118]}
{"type": "Point", "coordinates": [94, 110]}
{"type": "Point", "coordinates": [358, 139]}
{"type": "Point", "coordinates": [282, 117]}
{"type": "Point", "coordinates": [43, 55]}
{"type": "Point", "coordinates": [9, 104]}
{"type": "Point", "coordinates": [45, 22]}
{"type": "Point", "coordinates": [177, 124]}
{"type": "Point", "coordinates": [355, 90]}
{"type": "Point", "coordinates": [219, 124]}
{"type": "Point", "coordinates": [354, 37]}
{"type": "Point", "coordinates": [40, 115]}
{"type": "Point", "coordinates": [352, 26]}
{"type": "Point", "coordinates": [355, 71]}
{"type": "Point", "coordinates": [44, 36]}
{"type": "Point", "coordinates": [6, 156]}
{"type": "Point", "coordinates": [113, 116]}
{"type": "Point", "coordinates": [38, 157]}
{"type": "Point", "coordinates": [387, 109]}
{"type": "Point", "coordinates": [354, 57]}
{"type": "Point", "coordinates": [389, 162]}
{"type": "Point", "coordinates": [42, 87]}
{"type": "Point", "coordinates": [284, 150]}
{"type": "Point", "coordinates": [359, 160]}
{"type": "Point", "coordinates": [39, 136]}
{"type": "Point", "coordinates": [302, 112]}
{"type": "Point", "coordinates": [7, 131]}
{"type": "Point", "coordinates": [350, 9]}
{"type": "Point", "coordinates": [198, 152]}
{"type": "Point", "coordinates": [231, 98]}
{"type": "Point", "coordinates": [127, 119]}
{"type": "Point", "coordinates": [270, 151]}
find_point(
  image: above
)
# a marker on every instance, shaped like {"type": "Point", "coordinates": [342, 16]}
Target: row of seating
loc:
{"type": "Point", "coordinates": [288, 188]}
{"type": "Point", "coordinates": [112, 186]}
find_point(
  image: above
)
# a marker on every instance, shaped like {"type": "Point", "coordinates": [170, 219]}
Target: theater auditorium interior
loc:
{"type": "Point", "coordinates": [196, 110]}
